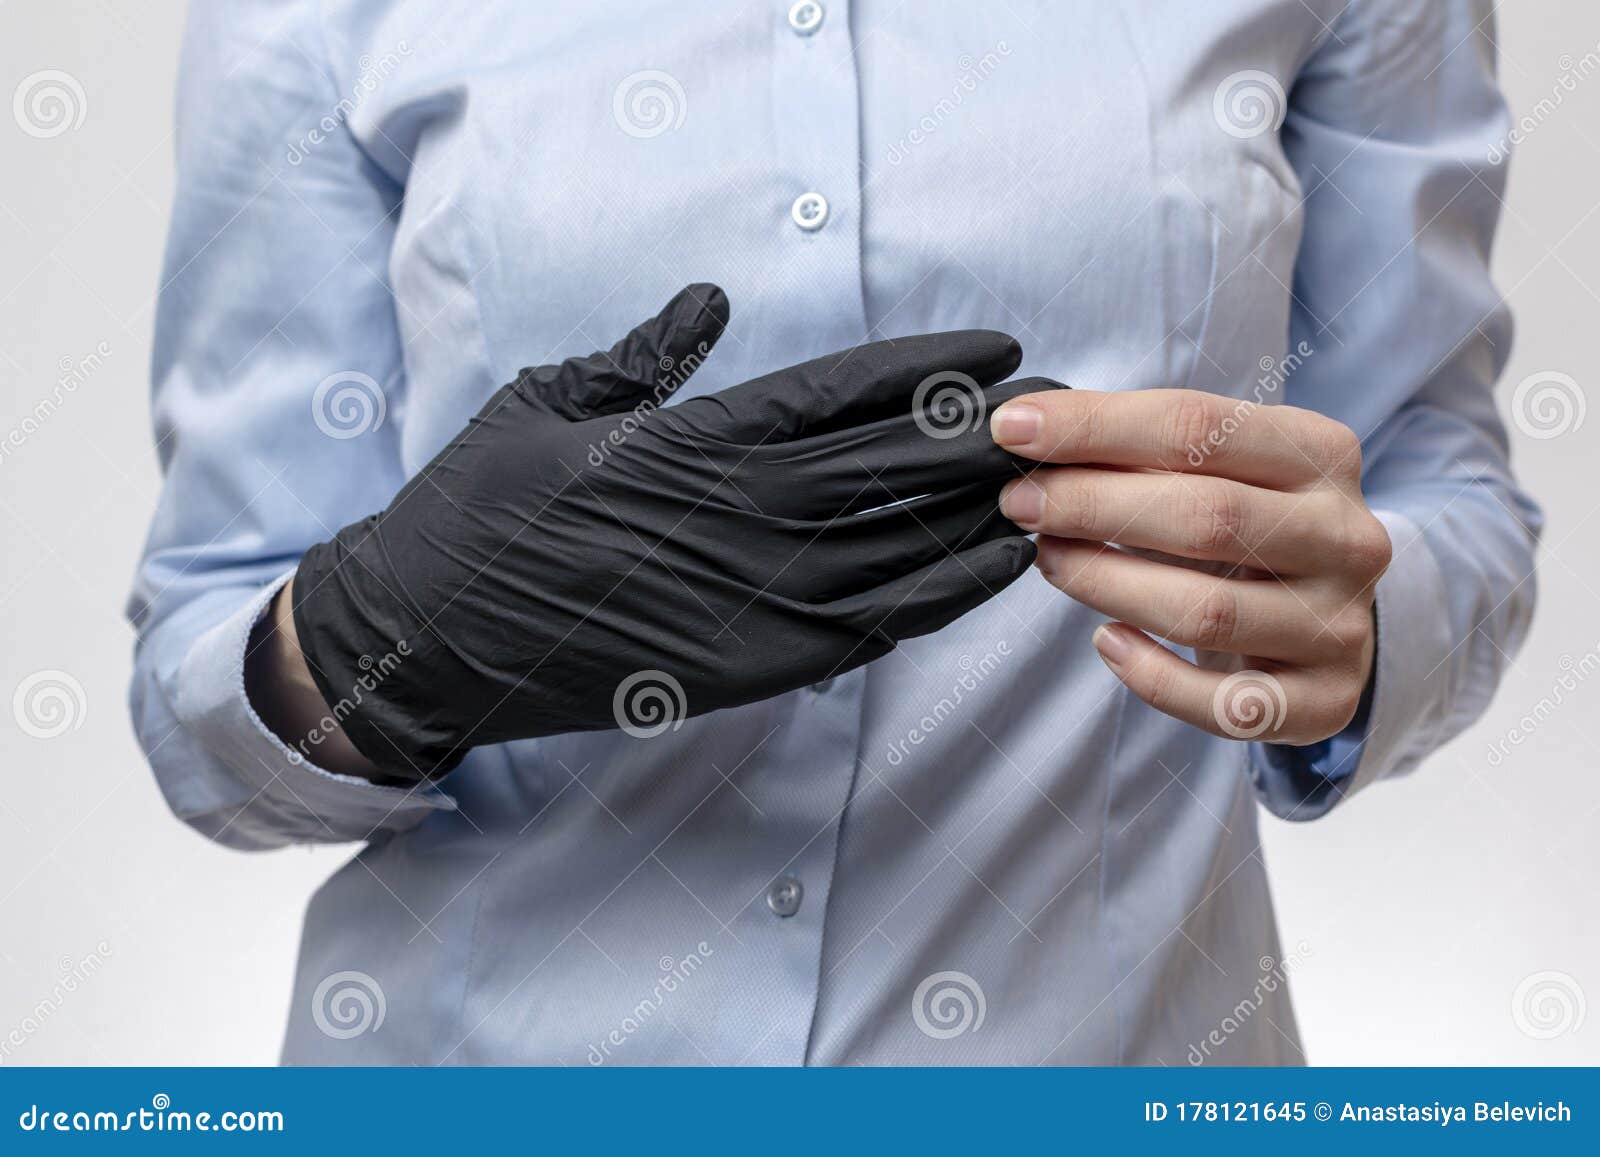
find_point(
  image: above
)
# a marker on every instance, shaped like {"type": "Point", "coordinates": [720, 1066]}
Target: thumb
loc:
{"type": "Point", "coordinates": [644, 367]}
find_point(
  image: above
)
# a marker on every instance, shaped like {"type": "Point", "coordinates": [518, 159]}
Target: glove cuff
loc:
{"type": "Point", "coordinates": [363, 655]}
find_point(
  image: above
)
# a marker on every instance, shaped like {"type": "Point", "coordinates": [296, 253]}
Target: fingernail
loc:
{"type": "Point", "coordinates": [1113, 646]}
{"type": "Point", "coordinates": [1016, 424]}
{"type": "Point", "coordinates": [1023, 503]}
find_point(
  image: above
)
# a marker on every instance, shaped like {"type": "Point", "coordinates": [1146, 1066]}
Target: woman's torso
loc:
{"type": "Point", "coordinates": [986, 803]}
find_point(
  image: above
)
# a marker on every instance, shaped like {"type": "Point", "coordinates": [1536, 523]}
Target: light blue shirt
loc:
{"type": "Point", "coordinates": [979, 849]}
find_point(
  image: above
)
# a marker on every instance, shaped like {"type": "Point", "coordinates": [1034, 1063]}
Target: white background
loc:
{"type": "Point", "coordinates": [1422, 906]}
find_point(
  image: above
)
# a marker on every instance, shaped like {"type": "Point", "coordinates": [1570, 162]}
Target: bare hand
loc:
{"type": "Point", "coordinates": [1247, 539]}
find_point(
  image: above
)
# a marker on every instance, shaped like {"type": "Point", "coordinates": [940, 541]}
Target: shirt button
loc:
{"type": "Point", "coordinates": [810, 211]}
{"type": "Point", "coordinates": [822, 687]}
{"type": "Point", "coordinates": [784, 896]}
{"type": "Point", "coordinates": [805, 17]}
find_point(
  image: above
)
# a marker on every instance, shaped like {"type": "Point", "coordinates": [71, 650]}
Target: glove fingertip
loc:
{"type": "Point", "coordinates": [690, 324]}
{"type": "Point", "coordinates": [997, 395]}
{"type": "Point", "coordinates": [987, 355]}
{"type": "Point", "coordinates": [1025, 554]}
{"type": "Point", "coordinates": [938, 594]}
{"type": "Point", "coordinates": [697, 314]}
{"type": "Point", "coordinates": [707, 300]}
{"type": "Point", "coordinates": [999, 563]}
{"type": "Point", "coordinates": [1008, 353]}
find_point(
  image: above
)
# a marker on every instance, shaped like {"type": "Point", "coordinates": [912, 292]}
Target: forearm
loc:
{"type": "Point", "coordinates": [279, 685]}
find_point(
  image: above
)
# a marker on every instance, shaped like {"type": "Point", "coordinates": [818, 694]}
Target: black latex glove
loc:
{"type": "Point", "coordinates": [578, 559]}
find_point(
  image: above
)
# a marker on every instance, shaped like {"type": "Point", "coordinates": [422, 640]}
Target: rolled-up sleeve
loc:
{"type": "Point", "coordinates": [278, 378]}
{"type": "Point", "coordinates": [1398, 133]}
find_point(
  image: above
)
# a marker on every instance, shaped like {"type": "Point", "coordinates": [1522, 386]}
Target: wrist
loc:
{"type": "Point", "coordinates": [280, 687]}
{"type": "Point", "coordinates": [286, 659]}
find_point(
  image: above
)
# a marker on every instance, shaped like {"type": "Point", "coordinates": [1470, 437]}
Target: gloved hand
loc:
{"type": "Point", "coordinates": [579, 559]}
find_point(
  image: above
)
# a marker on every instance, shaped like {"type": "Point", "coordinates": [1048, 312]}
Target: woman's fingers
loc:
{"type": "Point", "coordinates": [1186, 431]}
{"type": "Point", "coordinates": [1207, 482]}
{"type": "Point", "coordinates": [1240, 616]}
{"type": "Point", "coordinates": [1269, 705]}
{"type": "Point", "coordinates": [1195, 516]}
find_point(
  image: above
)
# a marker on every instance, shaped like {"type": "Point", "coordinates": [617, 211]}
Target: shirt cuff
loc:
{"type": "Point", "coordinates": [1396, 722]}
{"type": "Point", "coordinates": [294, 799]}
